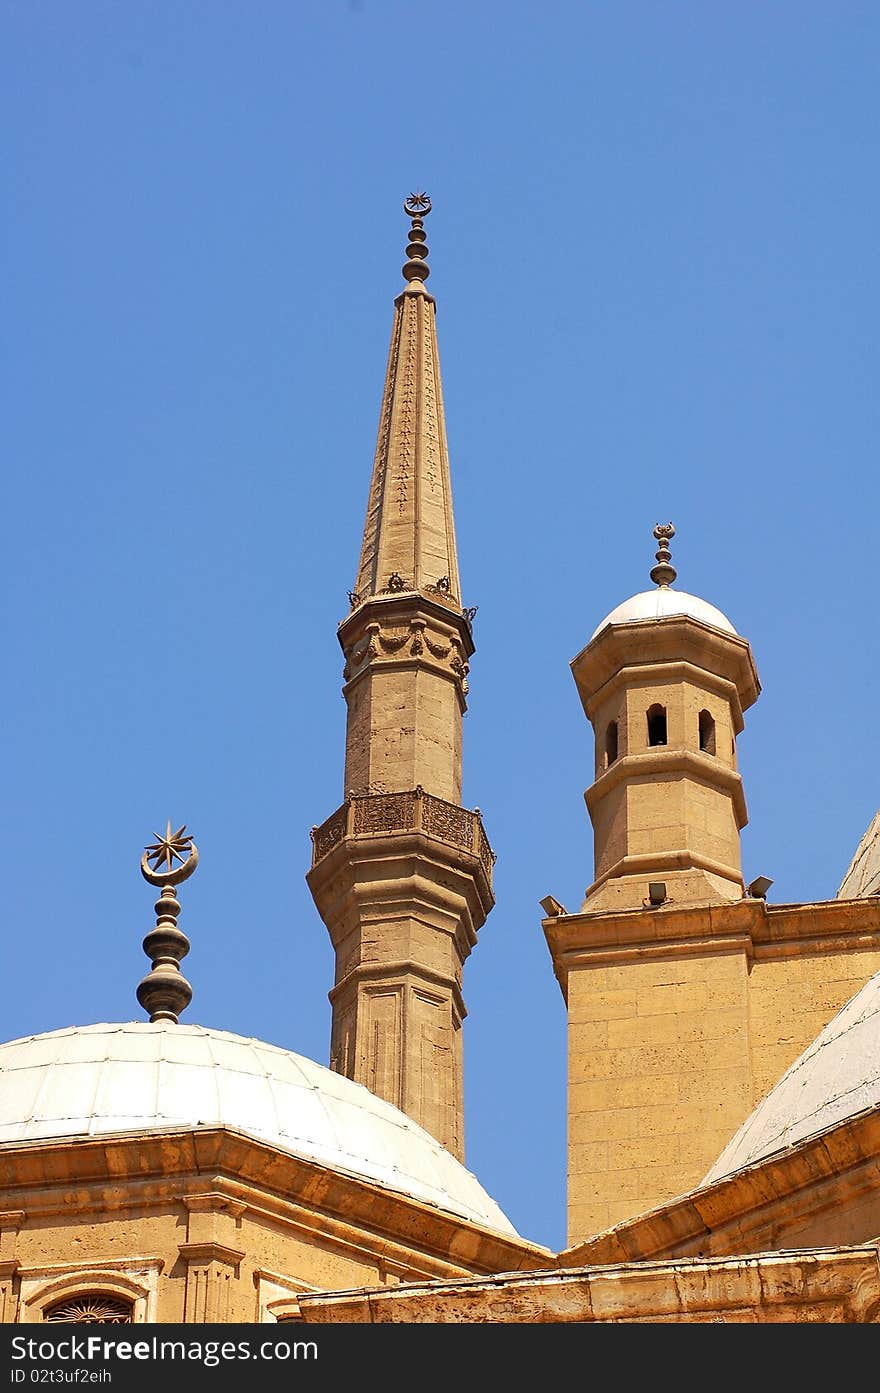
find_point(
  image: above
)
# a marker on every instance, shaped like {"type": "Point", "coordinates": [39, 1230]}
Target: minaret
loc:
{"type": "Point", "coordinates": [664, 681]}
{"type": "Point", "coordinates": [402, 873]}
{"type": "Point", "coordinates": [665, 1035]}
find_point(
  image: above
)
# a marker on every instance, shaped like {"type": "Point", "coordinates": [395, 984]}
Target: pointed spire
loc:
{"type": "Point", "coordinates": [165, 992]}
{"type": "Point", "coordinates": [663, 573]}
{"type": "Point", "coordinates": [409, 534]}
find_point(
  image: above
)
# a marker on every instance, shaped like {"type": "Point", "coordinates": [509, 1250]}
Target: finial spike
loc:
{"type": "Point", "coordinates": [165, 992]}
{"type": "Point", "coordinates": [417, 207]}
{"type": "Point", "coordinates": [663, 573]}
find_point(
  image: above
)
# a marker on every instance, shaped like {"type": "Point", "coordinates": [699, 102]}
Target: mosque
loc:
{"type": "Point", "coordinates": [723, 1051]}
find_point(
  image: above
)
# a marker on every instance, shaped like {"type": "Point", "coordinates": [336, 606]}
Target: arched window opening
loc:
{"type": "Point", "coordinates": [707, 732]}
{"type": "Point", "coordinates": [92, 1308]}
{"type": "Point", "coordinates": [610, 744]}
{"type": "Point", "coordinates": [657, 725]}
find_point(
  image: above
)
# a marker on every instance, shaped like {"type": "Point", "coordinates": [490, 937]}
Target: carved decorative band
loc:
{"type": "Point", "coordinates": [325, 837]}
{"type": "Point", "coordinates": [412, 811]}
{"type": "Point", "coordinates": [447, 821]}
{"type": "Point", "coordinates": [384, 812]}
{"type": "Point", "coordinates": [485, 852]}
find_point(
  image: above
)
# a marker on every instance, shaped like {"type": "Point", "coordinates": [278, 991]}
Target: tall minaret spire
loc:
{"type": "Point", "coordinates": [409, 535]}
{"type": "Point", "coordinates": [402, 873]}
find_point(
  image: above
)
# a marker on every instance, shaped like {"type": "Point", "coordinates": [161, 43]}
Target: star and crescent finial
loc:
{"type": "Point", "coordinates": [174, 846]}
{"type": "Point", "coordinates": [417, 206]}
{"type": "Point", "coordinates": [165, 992]}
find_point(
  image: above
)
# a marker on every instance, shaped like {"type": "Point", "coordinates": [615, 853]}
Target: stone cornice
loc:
{"type": "Point", "coordinates": [654, 865]}
{"type": "Point", "coordinates": [662, 760]}
{"type": "Point", "coordinates": [671, 639]}
{"type": "Point", "coordinates": [749, 926]}
{"type": "Point", "coordinates": [398, 610]}
{"type": "Point", "coordinates": [828, 926]}
{"type": "Point", "coordinates": [811, 1284]}
{"type": "Point", "coordinates": [211, 1252]}
{"type": "Point", "coordinates": [299, 1192]}
{"type": "Point", "coordinates": [404, 968]}
{"type": "Point", "coordinates": [213, 1201]}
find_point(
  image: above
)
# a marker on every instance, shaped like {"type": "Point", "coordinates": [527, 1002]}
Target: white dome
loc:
{"type": "Point", "coordinates": [98, 1079]}
{"type": "Point", "coordinates": [661, 603]}
{"type": "Point", "coordinates": [863, 877]}
{"type": "Point", "coordinates": [837, 1076]}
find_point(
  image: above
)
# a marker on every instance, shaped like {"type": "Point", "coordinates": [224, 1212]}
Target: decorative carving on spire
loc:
{"type": "Point", "coordinates": [417, 207]}
{"type": "Point", "coordinates": [165, 992]}
{"type": "Point", "coordinates": [409, 529]}
{"type": "Point", "coordinates": [663, 573]}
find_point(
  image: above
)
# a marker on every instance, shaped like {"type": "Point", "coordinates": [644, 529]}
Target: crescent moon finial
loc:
{"type": "Point", "coordinates": [173, 846]}
{"type": "Point", "coordinates": [417, 207]}
{"type": "Point", "coordinates": [165, 992]}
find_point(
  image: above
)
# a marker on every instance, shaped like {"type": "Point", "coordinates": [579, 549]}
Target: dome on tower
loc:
{"type": "Point", "coordinates": [100, 1080]}
{"type": "Point", "coordinates": [665, 603]}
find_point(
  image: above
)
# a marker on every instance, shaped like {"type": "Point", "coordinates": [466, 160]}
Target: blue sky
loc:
{"type": "Point", "coordinates": [654, 252]}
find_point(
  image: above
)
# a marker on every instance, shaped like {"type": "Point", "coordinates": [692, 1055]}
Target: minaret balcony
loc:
{"type": "Point", "coordinates": [413, 811]}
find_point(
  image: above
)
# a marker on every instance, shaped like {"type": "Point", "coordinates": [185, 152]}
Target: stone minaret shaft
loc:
{"type": "Point", "coordinates": [401, 873]}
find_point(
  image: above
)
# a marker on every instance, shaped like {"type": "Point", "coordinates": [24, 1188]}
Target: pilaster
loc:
{"type": "Point", "coordinates": [11, 1221]}
{"type": "Point", "coordinates": [213, 1290]}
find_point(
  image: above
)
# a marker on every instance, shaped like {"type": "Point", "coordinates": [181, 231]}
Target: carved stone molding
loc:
{"type": "Point", "coordinates": [403, 643]}
{"type": "Point", "coordinates": [410, 811]}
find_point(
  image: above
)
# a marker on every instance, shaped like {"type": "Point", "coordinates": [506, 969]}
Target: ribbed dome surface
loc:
{"type": "Point", "coordinates": [99, 1079]}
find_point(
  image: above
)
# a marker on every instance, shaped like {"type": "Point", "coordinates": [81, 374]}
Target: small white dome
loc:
{"type": "Point", "coordinates": [98, 1079]}
{"type": "Point", "coordinates": [662, 603]}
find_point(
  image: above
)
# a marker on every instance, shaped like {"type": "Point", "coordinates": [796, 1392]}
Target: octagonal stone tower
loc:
{"type": "Point", "coordinates": [655, 966]}
{"type": "Point", "coordinates": [402, 873]}
{"type": "Point", "coordinates": [664, 681]}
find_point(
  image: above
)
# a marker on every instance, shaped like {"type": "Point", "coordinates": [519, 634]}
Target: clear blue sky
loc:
{"type": "Point", "coordinates": [654, 251]}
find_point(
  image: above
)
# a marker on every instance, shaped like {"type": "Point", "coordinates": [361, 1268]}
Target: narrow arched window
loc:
{"type": "Point", "coordinates": [707, 732]}
{"type": "Point", "coordinates": [657, 725]}
{"type": "Point", "coordinates": [610, 743]}
{"type": "Point", "coordinates": [92, 1308]}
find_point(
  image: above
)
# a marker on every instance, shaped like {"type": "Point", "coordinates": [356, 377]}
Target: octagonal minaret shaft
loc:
{"type": "Point", "coordinates": [402, 873]}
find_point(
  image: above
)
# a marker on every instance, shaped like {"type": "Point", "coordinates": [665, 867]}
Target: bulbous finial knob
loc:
{"type": "Point", "coordinates": [417, 207]}
{"type": "Point", "coordinates": [165, 992]}
{"type": "Point", "coordinates": [663, 573]}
